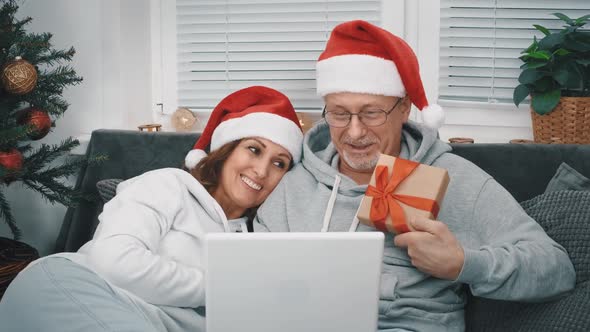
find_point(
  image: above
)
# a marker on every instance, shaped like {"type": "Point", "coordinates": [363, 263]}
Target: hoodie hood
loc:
{"type": "Point", "coordinates": [419, 143]}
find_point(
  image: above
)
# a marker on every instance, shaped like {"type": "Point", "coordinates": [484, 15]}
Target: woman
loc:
{"type": "Point", "coordinates": [143, 270]}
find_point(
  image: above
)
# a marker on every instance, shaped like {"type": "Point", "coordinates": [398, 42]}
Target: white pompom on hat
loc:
{"type": "Point", "coordinates": [255, 111]}
{"type": "Point", "coordinates": [363, 58]}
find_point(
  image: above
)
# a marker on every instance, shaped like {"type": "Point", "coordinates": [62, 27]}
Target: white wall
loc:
{"type": "Point", "coordinates": [111, 38]}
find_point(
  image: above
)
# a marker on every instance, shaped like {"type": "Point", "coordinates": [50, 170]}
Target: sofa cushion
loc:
{"type": "Point", "coordinates": [567, 178]}
{"type": "Point", "coordinates": [565, 216]}
{"type": "Point", "coordinates": [107, 189]}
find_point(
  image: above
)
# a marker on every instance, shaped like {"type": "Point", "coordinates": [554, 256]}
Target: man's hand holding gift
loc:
{"type": "Point", "coordinates": [404, 198]}
{"type": "Point", "coordinates": [433, 248]}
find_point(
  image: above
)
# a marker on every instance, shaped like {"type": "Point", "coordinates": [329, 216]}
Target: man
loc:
{"type": "Point", "coordinates": [368, 79]}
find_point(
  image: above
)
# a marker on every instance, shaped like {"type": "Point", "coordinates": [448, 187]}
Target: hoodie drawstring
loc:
{"type": "Point", "coordinates": [226, 228]}
{"type": "Point", "coordinates": [221, 215]}
{"type": "Point", "coordinates": [330, 208]}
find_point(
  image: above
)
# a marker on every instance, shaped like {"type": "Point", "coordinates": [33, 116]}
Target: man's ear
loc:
{"type": "Point", "coordinates": [406, 108]}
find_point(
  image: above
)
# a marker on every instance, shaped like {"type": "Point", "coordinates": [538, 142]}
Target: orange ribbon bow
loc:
{"type": "Point", "coordinates": [385, 200]}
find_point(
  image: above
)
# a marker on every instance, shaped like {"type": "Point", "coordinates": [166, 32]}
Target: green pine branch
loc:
{"type": "Point", "coordinates": [9, 106]}
{"type": "Point", "coordinates": [46, 181]}
{"type": "Point", "coordinates": [50, 86]}
{"type": "Point", "coordinates": [37, 48]}
{"type": "Point", "coordinates": [52, 190]}
{"type": "Point", "coordinates": [6, 214]}
{"type": "Point", "coordinates": [31, 46]}
{"type": "Point", "coordinates": [24, 149]}
{"type": "Point", "coordinates": [55, 57]}
{"type": "Point", "coordinates": [11, 135]}
{"type": "Point", "coordinates": [45, 154]}
{"type": "Point", "coordinates": [8, 10]}
{"type": "Point", "coordinates": [58, 78]}
{"type": "Point", "coordinates": [54, 105]}
{"type": "Point", "coordinates": [70, 167]}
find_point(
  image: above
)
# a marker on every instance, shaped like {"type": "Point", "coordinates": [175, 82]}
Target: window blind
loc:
{"type": "Point", "coordinates": [223, 46]}
{"type": "Point", "coordinates": [481, 40]}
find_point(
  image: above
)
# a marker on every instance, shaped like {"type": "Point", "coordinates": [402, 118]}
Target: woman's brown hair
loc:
{"type": "Point", "coordinates": [208, 170]}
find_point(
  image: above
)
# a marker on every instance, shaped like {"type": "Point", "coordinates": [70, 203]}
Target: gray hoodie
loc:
{"type": "Point", "coordinates": [507, 254]}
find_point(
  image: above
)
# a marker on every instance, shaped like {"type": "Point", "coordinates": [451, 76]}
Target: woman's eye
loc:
{"type": "Point", "coordinates": [280, 164]}
{"type": "Point", "coordinates": [254, 149]}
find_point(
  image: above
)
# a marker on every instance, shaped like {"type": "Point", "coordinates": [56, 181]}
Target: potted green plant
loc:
{"type": "Point", "coordinates": [556, 73]}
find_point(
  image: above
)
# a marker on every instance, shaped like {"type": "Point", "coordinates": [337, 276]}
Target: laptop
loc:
{"type": "Point", "coordinates": [293, 282]}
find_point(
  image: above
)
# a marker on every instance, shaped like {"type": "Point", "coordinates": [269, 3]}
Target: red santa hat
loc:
{"type": "Point", "coordinates": [256, 111]}
{"type": "Point", "coordinates": [363, 58]}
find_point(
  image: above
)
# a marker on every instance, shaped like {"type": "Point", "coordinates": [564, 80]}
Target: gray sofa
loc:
{"type": "Point", "coordinates": [523, 169]}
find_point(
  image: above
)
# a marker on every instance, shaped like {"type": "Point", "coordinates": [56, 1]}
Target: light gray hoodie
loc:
{"type": "Point", "coordinates": [507, 254]}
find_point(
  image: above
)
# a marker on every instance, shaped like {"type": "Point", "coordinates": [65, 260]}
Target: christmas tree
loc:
{"type": "Point", "coordinates": [33, 77]}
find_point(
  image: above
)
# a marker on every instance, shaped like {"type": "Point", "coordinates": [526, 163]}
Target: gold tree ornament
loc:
{"type": "Point", "coordinates": [19, 77]}
{"type": "Point", "coordinates": [183, 119]}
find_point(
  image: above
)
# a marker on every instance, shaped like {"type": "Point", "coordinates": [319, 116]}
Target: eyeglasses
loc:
{"type": "Point", "coordinates": [369, 117]}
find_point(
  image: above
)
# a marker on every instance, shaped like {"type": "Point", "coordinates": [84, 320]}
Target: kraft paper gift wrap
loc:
{"type": "Point", "coordinates": [401, 189]}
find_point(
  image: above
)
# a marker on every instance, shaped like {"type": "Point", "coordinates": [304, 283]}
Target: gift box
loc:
{"type": "Point", "coordinates": [401, 189]}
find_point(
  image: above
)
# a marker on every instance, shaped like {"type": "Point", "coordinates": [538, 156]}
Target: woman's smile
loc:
{"type": "Point", "coordinates": [251, 183]}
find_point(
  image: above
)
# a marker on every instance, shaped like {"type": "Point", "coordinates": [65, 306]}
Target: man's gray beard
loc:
{"type": "Point", "coordinates": [361, 165]}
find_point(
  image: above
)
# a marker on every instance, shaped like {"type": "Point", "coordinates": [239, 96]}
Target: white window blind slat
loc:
{"type": "Point", "coordinates": [481, 81]}
{"type": "Point", "coordinates": [282, 85]}
{"type": "Point", "coordinates": [245, 66]}
{"type": "Point", "coordinates": [505, 13]}
{"type": "Point", "coordinates": [275, 26]}
{"type": "Point", "coordinates": [304, 17]}
{"type": "Point", "coordinates": [471, 62]}
{"type": "Point", "coordinates": [532, 4]}
{"type": "Point", "coordinates": [203, 38]}
{"type": "Point", "coordinates": [480, 53]}
{"type": "Point", "coordinates": [207, 92]}
{"type": "Point", "coordinates": [489, 43]}
{"type": "Point", "coordinates": [250, 47]}
{"type": "Point", "coordinates": [481, 40]}
{"type": "Point", "coordinates": [223, 46]}
{"type": "Point", "coordinates": [500, 23]}
{"type": "Point", "coordinates": [480, 72]}
{"type": "Point", "coordinates": [184, 3]}
{"type": "Point", "coordinates": [473, 94]}
{"type": "Point", "coordinates": [258, 75]}
{"type": "Point", "coordinates": [487, 33]}
{"type": "Point", "coordinates": [310, 8]}
{"type": "Point", "coordinates": [249, 56]}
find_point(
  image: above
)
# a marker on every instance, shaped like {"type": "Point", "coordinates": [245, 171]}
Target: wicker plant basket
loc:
{"type": "Point", "coordinates": [568, 123]}
{"type": "Point", "coordinates": [14, 256]}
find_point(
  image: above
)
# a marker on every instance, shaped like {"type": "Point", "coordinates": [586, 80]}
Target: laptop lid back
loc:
{"type": "Point", "coordinates": [293, 281]}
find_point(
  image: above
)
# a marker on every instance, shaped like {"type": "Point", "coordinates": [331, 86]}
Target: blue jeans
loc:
{"type": "Point", "coordinates": [57, 294]}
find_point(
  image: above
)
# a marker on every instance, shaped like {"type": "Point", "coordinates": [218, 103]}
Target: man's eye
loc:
{"type": "Point", "coordinates": [371, 114]}
{"type": "Point", "coordinates": [340, 115]}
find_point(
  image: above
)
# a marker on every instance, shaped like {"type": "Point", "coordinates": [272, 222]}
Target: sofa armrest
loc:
{"type": "Point", "coordinates": [129, 153]}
